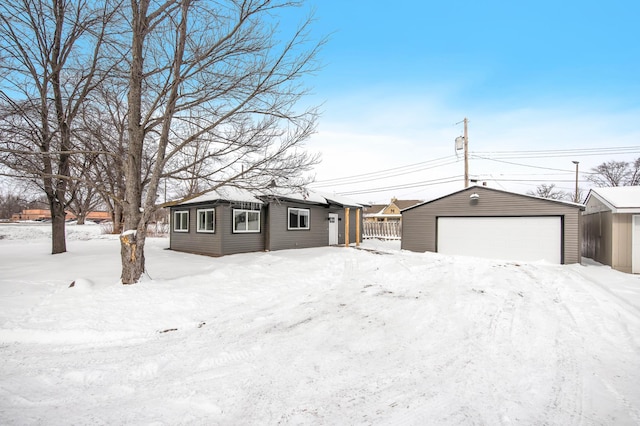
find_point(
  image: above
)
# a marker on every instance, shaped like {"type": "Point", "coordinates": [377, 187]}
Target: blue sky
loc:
{"type": "Point", "coordinates": [529, 75]}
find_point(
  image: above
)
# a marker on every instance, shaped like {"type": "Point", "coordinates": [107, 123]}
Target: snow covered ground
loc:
{"type": "Point", "coordinates": [317, 336]}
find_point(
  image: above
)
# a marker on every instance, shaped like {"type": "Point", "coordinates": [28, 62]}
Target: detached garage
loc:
{"type": "Point", "coordinates": [490, 223]}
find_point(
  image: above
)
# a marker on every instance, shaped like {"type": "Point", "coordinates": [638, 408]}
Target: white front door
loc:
{"type": "Point", "coordinates": [635, 244]}
{"type": "Point", "coordinates": [333, 229]}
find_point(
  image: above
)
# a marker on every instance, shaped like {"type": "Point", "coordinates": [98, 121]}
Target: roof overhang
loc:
{"type": "Point", "coordinates": [610, 206]}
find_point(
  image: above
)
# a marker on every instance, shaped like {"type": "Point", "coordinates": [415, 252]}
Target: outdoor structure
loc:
{"type": "Point", "coordinates": [45, 214]}
{"type": "Point", "coordinates": [229, 220]}
{"type": "Point", "coordinates": [490, 223]}
{"type": "Point", "coordinates": [388, 212]}
{"type": "Point", "coordinates": [611, 227]}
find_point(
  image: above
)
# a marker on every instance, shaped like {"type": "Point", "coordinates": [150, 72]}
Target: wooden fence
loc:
{"type": "Point", "coordinates": [382, 230]}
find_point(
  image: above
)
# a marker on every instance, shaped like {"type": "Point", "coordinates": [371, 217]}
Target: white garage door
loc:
{"type": "Point", "coordinates": [509, 238]}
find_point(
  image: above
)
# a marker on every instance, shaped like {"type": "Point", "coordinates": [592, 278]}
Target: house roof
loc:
{"type": "Point", "coordinates": [377, 210]}
{"type": "Point", "coordinates": [304, 195]}
{"type": "Point", "coordinates": [483, 188]}
{"type": "Point", "coordinates": [228, 193]}
{"type": "Point", "coordinates": [340, 200]}
{"type": "Point", "coordinates": [619, 199]}
{"type": "Point", "coordinates": [404, 204]}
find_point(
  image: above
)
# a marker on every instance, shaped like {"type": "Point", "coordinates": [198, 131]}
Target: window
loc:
{"type": "Point", "coordinates": [298, 218]}
{"type": "Point", "coordinates": [181, 221]}
{"type": "Point", "coordinates": [206, 220]}
{"type": "Point", "coordinates": [246, 220]}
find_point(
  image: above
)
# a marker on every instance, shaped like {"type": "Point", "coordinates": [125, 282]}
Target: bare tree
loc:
{"type": "Point", "coordinates": [571, 196]}
{"type": "Point", "coordinates": [634, 173]}
{"type": "Point", "coordinates": [549, 191]}
{"type": "Point", "coordinates": [104, 129]}
{"type": "Point", "coordinates": [214, 74]}
{"type": "Point", "coordinates": [11, 203]}
{"type": "Point", "coordinates": [616, 173]}
{"type": "Point", "coordinates": [51, 52]}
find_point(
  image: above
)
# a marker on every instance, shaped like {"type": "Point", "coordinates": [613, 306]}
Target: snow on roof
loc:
{"type": "Point", "coordinates": [338, 199]}
{"type": "Point", "coordinates": [295, 194]}
{"type": "Point", "coordinates": [620, 197]}
{"type": "Point", "coordinates": [227, 193]}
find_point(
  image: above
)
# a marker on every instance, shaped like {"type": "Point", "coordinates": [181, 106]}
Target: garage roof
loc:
{"type": "Point", "coordinates": [619, 199]}
{"type": "Point", "coordinates": [471, 188]}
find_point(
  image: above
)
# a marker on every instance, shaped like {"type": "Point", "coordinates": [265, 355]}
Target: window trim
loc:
{"type": "Point", "coordinates": [246, 230]}
{"type": "Point", "coordinates": [199, 227]}
{"type": "Point", "coordinates": [298, 228]}
{"type": "Point", "coordinates": [177, 222]}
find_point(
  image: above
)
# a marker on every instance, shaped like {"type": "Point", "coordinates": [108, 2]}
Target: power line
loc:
{"type": "Point", "coordinates": [518, 164]}
{"type": "Point", "coordinates": [496, 156]}
{"type": "Point", "coordinates": [560, 152]}
{"type": "Point", "coordinates": [387, 173]}
{"type": "Point", "coordinates": [405, 186]}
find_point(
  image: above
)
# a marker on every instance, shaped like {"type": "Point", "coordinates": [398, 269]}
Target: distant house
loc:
{"type": "Point", "coordinates": [388, 212]}
{"type": "Point", "coordinates": [486, 222]}
{"type": "Point", "coordinates": [611, 227]}
{"type": "Point", "coordinates": [229, 220]}
{"type": "Point", "coordinates": [45, 214]}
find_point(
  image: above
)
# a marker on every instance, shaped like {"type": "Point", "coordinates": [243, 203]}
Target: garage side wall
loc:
{"type": "Point", "coordinates": [419, 229]}
{"type": "Point", "coordinates": [622, 241]}
{"type": "Point", "coordinates": [597, 238]}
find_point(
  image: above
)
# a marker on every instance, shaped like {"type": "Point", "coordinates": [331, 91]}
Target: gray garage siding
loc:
{"type": "Point", "coordinates": [419, 223]}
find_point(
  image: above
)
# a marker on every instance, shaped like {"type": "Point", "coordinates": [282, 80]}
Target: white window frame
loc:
{"type": "Point", "coordinates": [202, 227]}
{"type": "Point", "coordinates": [297, 226]}
{"type": "Point", "coordinates": [178, 222]}
{"type": "Point", "coordinates": [246, 230]}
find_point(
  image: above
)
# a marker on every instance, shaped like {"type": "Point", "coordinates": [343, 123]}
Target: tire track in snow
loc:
{"type": "Point", "coordinates": [593, 293]}
{"type": "Point", "coordinates": [567, 385]}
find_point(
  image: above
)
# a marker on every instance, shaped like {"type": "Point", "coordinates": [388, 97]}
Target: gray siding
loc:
{"type": "Point", "coordinates": [597, 237]}
{"type": "Point", "coordinates": [222, 242]}
{"type": "Point", "coordinates": [241, 242]}
{"type": "Point", "coordinates": [607, 236]}
{"type": "Point", "coordinates": [281, 238]}
{"type": "Point", "coordinates": [274, 233]}
{"type": "Point", "coordinates": [419, 223]}
{"type": "Point", "coordinates": [193, 241]}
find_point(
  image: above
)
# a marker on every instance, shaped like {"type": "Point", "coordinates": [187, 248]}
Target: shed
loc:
{"type": "Point", "coordinates": [491, 223]}
{"type": "Point", "coordinates": [611, 231]}
{"type": "Point", "coordinates": [231, 220]}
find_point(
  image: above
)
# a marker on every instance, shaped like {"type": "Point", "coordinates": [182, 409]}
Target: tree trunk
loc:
{"type": "Point", "coordinates": [58, 222]}
{"type": "Point", "coordinates": [132, 254]}
{"type": "Point", "coordinates": [116, 216]}
{"type": "Point", "coordinates": [134, 233]}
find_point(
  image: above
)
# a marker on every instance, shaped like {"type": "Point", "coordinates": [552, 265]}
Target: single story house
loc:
{"type": "Point", "coordinates": [611, 227]}
{"type": "Point", "coordinates": [491, 223]}
{"type": "Point", "coordinates": [230, 220]}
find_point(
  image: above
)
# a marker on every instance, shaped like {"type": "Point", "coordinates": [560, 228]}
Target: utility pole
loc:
{"type": "Point", "coordinates": [462, 142]}
{"type": "Point", "coordinates": [466, 154]}
{"type": "Point", "coordinates": [575, 197]}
